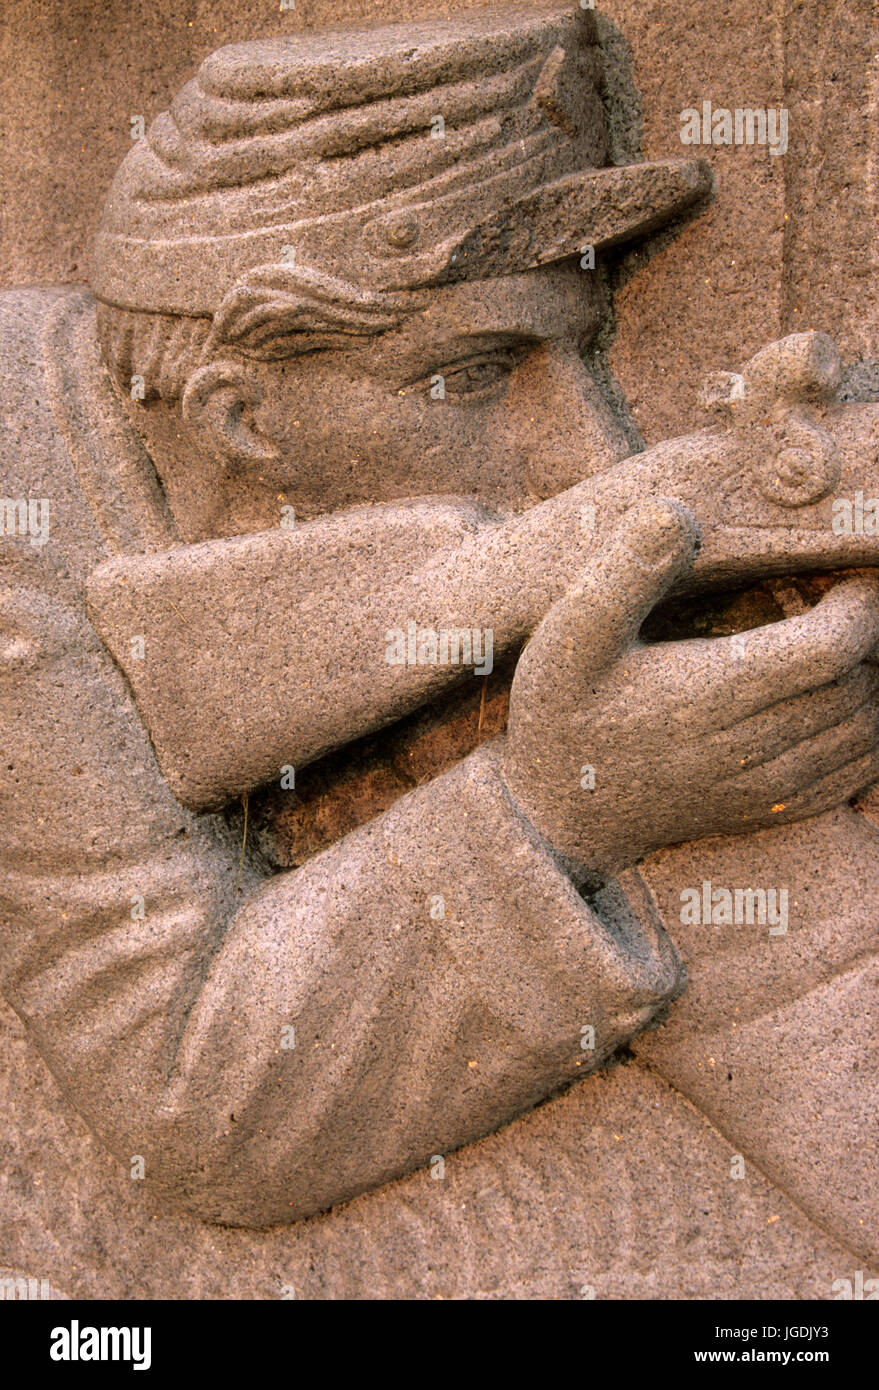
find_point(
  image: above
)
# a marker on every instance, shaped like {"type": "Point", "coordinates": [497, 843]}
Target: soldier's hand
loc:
{"type": "Point", "coordinates": [616, 747]}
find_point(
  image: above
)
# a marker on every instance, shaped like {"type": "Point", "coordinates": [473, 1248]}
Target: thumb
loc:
{"type": "Point", "coordinates": [585, 631]}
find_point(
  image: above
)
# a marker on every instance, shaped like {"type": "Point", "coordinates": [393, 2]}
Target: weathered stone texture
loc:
{"type": "Point", "coordinates": [621, 1182]}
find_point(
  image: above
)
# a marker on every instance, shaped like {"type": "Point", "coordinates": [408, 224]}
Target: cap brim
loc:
{"type": "Point", "coordinates": [596, 207]}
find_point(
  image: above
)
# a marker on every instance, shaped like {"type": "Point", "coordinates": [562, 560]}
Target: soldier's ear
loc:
{"type": "Point", "coordinates": [219, 404]}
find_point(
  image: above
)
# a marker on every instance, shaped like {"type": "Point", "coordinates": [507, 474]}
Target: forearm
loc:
{"type": "Point", "coordinates": [269, 650]}
{"type": "Point", "coordinates": [249, 654]}
{"type": "Point", "coordinates": [425, 980]}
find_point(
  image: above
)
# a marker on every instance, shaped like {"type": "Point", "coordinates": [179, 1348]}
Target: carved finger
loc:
{"type": "Point", "coordinates": [754, 670]}
{"type": "Point", "coordinates": [600, 617]}
{"type": "Point", "coordinates": [797, 769]}
{"type": "Point", "coordinates": [835, 789]}
{"type": "Point", "coordinates": [763, 736]}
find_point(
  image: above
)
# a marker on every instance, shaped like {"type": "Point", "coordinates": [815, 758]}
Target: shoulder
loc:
{"type": "Point", "coordinates": [39, 368]}
{"type": "Point", "coordinates": [27, 313]}
{"type": "Point", "coordinates": [29, 321]}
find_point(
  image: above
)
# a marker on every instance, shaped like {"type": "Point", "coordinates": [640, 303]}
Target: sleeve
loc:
{"type": "Point", "coordinates": [270, 1047]}
{"type": "Point", "coordinates": [310, 611]}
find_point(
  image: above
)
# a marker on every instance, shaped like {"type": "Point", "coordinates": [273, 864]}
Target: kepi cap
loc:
{"type": "Point", "coordinates": [396, 157]}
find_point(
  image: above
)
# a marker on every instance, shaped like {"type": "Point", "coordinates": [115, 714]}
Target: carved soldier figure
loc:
{"type": "Point", "coordinates": [329, 384]}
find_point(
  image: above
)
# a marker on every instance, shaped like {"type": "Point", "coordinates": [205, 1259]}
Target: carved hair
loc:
{"type": "Point", "coordinates": [275, 312]}
{"type": "Point", "coordinates": [163, 349]}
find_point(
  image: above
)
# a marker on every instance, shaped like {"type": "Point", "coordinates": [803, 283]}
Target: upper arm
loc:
{"type": "Point", "coordinates": [80, 781]}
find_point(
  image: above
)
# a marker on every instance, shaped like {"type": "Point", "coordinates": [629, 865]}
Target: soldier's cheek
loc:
{"type": "Point", "coordinates": [556, 413]}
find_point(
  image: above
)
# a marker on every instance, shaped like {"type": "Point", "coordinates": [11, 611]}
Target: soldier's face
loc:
{"type": "Point", "coordinates": [482, 394]}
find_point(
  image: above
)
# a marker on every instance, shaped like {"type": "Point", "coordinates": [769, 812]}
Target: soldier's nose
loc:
{"type": "Point", "coordinates": [557, 413]}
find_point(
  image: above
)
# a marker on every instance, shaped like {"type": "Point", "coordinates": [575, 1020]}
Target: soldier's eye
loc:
{"type": "Point", "coordinates": [481, 375]}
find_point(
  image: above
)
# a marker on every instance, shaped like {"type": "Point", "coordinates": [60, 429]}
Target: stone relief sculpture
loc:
{"type": "Point", "coordinates": [320, 443]}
